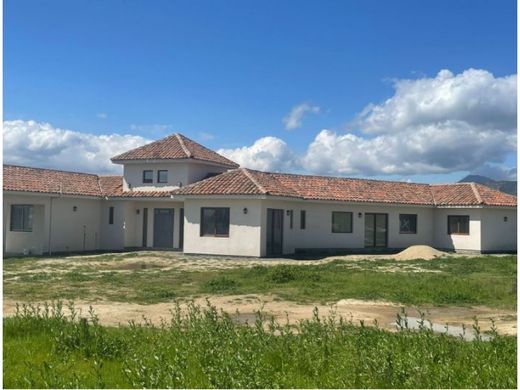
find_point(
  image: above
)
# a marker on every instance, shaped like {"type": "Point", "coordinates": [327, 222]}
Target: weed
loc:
{"type": "Point", "coordinates": [52, 346]}
{"type": "Point", "coordinates": [220, 284]}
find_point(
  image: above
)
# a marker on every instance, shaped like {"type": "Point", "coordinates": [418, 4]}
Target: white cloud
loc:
{"type": "Point", "coordinates": [293, 119]}
{"type": "Point", "coordinates": [443, 124]}
{"type": "Point", "coordinates": [266, 154]}
{"type": "Point", "coordinates": [42, 145]}
{"type": "Point", "coordinates": [430, 125]}
{"type": "Point", "coordinates": [474, 97]}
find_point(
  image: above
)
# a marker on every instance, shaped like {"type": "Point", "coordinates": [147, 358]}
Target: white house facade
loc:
{"type": "Point", "coordinates": [176, 194]}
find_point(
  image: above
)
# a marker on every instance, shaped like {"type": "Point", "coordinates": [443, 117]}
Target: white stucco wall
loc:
{"type": "Point", "coordinates": [178, 172]}
{"type": "Point", "coordinates": [318, 232]}
{"type": "Point", "coordinates": [133, 175]}
{"type": "Point", "coordinates": [112, 236]}
{"type": "Point", "coordinates": [499, 234]}
{"type": "Point", "coordinates": [244, 230]}
{"type": "Point", "coordinates": [469, 242]}
{"type": "Point", "coordinates": [198, 172]}
{"type": "Point", "coordinates": [67, 229]}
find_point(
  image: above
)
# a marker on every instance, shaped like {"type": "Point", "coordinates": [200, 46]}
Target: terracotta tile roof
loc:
{"type": "Point", "coordinates": [174, 147]}
{"type": "Point", "coordinates": [17, 178]}
{"type": "Point", "coordinates": [249, 182]}
{"type": "Point", "coordinates": [112, 187]}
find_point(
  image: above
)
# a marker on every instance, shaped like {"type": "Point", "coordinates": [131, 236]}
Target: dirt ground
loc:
{"type": "Point", "coordinates": [181, 262]}
{"type": "Point", "coordinates": [116, 313]}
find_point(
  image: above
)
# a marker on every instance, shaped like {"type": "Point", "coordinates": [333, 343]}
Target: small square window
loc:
{"type": "Point", "coordinates": [341, 222]}
{"type": "Point", "coordinates": [458, 224]}
{"type": "Point", "coordinates": [21, 218]}
{"type": "Point", "coordinates": [214, 222]}
{"type": "Point", "coordinates": [162, 176]}
{"type": "Point", "coordinates": [147, 176]}
{"type": "Point", "coordinates": [408, 223]}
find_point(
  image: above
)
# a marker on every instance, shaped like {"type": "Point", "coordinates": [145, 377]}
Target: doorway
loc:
{"type": "Point", "coordinates": [274, 239]}
{"type": "Point", "coordinates": [376, 230]}
{"type": "Point", "coordinates": [163, 228]}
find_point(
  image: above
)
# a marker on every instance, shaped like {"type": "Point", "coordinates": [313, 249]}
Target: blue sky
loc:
{"type": "Point", "coordinates": [226, 73]}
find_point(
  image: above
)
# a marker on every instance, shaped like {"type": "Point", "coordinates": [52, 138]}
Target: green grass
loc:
{"type": "Point", "coordinates": [487, 280]}
{"type": "Point", "coordinates": [204, 348]}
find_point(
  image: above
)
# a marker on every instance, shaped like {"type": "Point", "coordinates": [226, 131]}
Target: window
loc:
{"type": "Point", "coordinates": [21, 218]}
{"type": "Point", "coordinates": [147, 176]}
{"type": "Point", "coordinates": [458, 224]}
{"type": "Point", "coordinates": [214, 221]}
{"type": "Point", "coordinates": [162, 176]}
{"type": "Point", "coordinates": [408, 223]}
{"type": "Point", "coordinates": [303, 221]}
{"type": "Point", "coordinates": [111, 215]}
{"type": "Point", "coordinates": [341, 222]}
{"type": "Point", "coordinates": [291, 218]}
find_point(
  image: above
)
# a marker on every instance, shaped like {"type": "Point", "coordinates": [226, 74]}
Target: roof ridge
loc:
{"type": "Point", "coordinates": [183, 146]}
{"type": "Point", "coordinates": [432, 193]}
{"type": "Point", "coordinates": [477, 194]}
{"type": "Point", "coordinates": [340, 177]}
{"type": "Point", "coordinates": [255, 182]}
{"type": "Point", "coordinates": [101, 191]}
{"type": "Point", "coordinates": [50, 169]}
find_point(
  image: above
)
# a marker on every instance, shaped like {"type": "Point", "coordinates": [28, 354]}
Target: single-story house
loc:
{"type": "Point", "coordinates": [177, 194]}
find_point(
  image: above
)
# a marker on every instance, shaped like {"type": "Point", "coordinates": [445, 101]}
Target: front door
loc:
{"type": "Point", "coordinates": [376, 230]}
{"type": "Point", "coordinates": [274, 241]}
{"type": "Point", "coordinates": [163, 228]}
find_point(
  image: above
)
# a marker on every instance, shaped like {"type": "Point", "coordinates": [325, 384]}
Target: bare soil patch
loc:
{"type": "Point", "coordinates": [244, 307]}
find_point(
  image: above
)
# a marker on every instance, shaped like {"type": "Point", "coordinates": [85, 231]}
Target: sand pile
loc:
{"type": "Point", "coordinates": [419, 252]}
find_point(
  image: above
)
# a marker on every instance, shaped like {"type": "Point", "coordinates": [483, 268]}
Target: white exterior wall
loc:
{"type": "Point", "coordinates": [112, 236]}
{"type": "Point", "coordinates": [198, 172]}
{"type": "Point", "coordinates": [499, 234]}
{"type": "Point", "coordinates": [65, 229]}
{"type": "Point", "coordinates": [133, 176]}
{"type": "Point", "coordinates": [318, 232]}
{"type": "Point", "coordinates": [470, 242]}
{"type": "Point", "coordinates": [178, 172]}
{"type": "Point", "coordinates": [244, 229]}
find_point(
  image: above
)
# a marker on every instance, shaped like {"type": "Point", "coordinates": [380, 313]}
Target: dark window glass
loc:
{"type": "Point", "coordinates": [458, 224]}
{"type": "Point", "coordinates": [408, 223]}
{"type": "Point", "coordinates": [147, 176]}
{"type": "Point", "coordinates": [303, 222]}
{"type": "Point", "coordinates": [291, 218]}
{"type": "Point", "coordinates": [341, 222]}
{"type": "Point", "coordinates": [111, 215]}
{"type": "Point", "coordinates": [214, 221]}
{"type": "Point", "coordinates": [21, 218]}
{"type": "Point", "coordinates": [162, 176]}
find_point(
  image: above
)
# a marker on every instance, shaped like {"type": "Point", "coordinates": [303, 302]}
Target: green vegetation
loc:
{"type": "Point", "coordinates": [486, 280]}
{"type": "Point", "coordinates": [204, 348]}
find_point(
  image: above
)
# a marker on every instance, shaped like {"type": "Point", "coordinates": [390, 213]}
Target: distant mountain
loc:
{"type": "Point", "coordinates": [507, 186]}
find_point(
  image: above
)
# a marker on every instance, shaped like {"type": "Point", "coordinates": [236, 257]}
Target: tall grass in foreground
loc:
{"type": "Point", "coordinates": [202, 347]}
